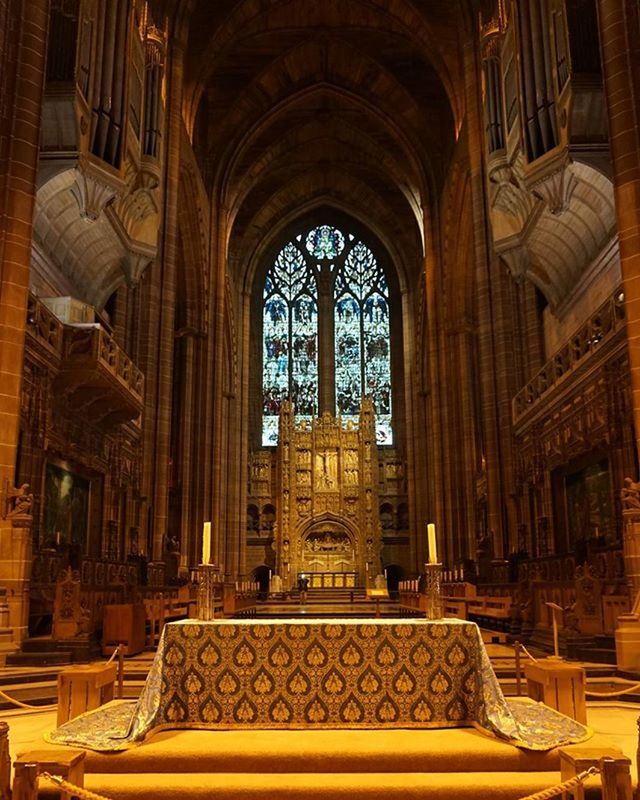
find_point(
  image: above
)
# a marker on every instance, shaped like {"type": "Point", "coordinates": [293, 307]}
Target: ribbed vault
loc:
{"type": "Point", "coordinates": [295, 104]}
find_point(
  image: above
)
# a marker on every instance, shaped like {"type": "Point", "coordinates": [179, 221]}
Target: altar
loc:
{"type": "Point", "coordinates": [311, 674]}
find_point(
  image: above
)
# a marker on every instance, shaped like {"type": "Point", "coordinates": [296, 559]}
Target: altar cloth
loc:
{"type": "Point", "coordinates": [316, 673]}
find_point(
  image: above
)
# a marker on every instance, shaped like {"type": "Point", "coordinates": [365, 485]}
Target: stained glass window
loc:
{"type": "Point", "coordinates": [363, 362]}
{"type": "Point", "coordinates": [353, 283]}
{"type": "Point", "coordinates": [290, 340]}
{"type": "Point", "coordinates": [325, 242]}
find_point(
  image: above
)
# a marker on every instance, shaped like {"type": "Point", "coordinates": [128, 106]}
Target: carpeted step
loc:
{"type": "Point", "coordinates": [320, 751]}
{"type": "Point", "coordinates": [303, 786]}
{"type": "Point", "coordinates": [40, 659]}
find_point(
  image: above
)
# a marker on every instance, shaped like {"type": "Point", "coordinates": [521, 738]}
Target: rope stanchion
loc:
{"type": "Point", "coordinates": [115, 653]}
{"type": "Point", "coordinates": [76, 791]}
{"type": "Point", "coordinates": [527, 653]}
{"type": "Point", "coordinates": [559, 788]}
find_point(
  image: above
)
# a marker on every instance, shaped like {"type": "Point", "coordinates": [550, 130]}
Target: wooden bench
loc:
{"type": "Point", "coordinates": [493, 613]}
{"type": "Point", "coordinates": [236, 603]}
{"type": "Point", "coordinates": [161, 609]}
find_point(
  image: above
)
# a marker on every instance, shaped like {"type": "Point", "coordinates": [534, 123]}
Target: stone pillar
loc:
{"type": "Point", "coordinates": [164, 346]}
{"type": "Point", "coordinates": [628, 630]}
{"type": "Point", "coordinates": [484, 289]}
{"type": "Point", "coordinates": [187, 352]}
{"type": "Point", "coordinates": [619, 24]}
{"type": "Point", "coordinates": [22, 71]}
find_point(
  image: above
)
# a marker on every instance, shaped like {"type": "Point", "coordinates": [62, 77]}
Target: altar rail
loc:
{"type": "Point", "coordinates": [331, 580]}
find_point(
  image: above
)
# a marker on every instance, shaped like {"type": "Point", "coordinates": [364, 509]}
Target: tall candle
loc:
{"type": "Point", "coordinates": [206, 543]}
{"type": "Point", "coordinates": [431, 537]}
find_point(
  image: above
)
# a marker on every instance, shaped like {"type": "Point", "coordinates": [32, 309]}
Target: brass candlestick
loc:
{"type": "Point", "coordinates": [208, 576]}
{"type": "Point", "coordinates": [433, 590]}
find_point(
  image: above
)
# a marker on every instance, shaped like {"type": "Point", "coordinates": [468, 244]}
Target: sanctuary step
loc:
{"type": "Point", "coordinates": [436, 764]}
{"type": "Point", "coordinates": [40, 651]}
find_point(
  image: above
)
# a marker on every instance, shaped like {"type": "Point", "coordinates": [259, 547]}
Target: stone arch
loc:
{"type": "Point", "coordinates": [327, 543]}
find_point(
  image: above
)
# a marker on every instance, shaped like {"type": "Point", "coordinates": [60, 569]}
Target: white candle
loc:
{"type": "Point", "coordinates": [206, 543]}
{"type": "Point", "coordinates": [431, 538]}
{"type": "Point", "coordinates": [385, 573]}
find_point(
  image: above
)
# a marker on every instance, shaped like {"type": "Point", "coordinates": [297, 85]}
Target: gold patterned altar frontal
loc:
{"type": "Point", "coordinates": [317, 674]}
{"type": "Point", "coordinates": [320, 674]}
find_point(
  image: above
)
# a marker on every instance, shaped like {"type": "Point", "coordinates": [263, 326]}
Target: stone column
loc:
{"type": "Point", "coordinates": [164, 351]}
{"type": "Point", "coordinates": [628, 630]}
{"type": "Point", "coordinates": [187, 352]}
{"type": "Point", "coordinates": [22, 71]}
{"type": "Point", "coordinates": [484, 289]}
{"type": "Point", "coordinates": [619, 23]}
{"type": "Point", "coordinates": [620, 42]}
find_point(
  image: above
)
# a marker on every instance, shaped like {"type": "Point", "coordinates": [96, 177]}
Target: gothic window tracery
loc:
{"type": "Point", "coordinates": [325, 275]}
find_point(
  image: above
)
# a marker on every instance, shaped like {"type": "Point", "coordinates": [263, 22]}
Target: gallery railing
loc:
{"type": "Point", "coordinates": [599, 330]}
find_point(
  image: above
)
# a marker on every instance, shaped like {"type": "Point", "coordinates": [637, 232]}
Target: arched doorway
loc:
{"type": "Point", "coordinates": [262, 576]}
{"type": "Point", "coordinates": [328, 554]}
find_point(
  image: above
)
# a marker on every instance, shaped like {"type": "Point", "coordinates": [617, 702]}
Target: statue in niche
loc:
{"type": "Point", "coordinates": [326, 469]}
{"type": "Point", "coordinates": [630, 495]}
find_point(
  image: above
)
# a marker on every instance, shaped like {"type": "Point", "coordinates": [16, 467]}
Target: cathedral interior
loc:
{"type": "Point", "coordinates": [282, 283]}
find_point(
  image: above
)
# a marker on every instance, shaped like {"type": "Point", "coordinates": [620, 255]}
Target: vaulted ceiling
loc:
{"type": "Point", "coordinates": [346, 104]}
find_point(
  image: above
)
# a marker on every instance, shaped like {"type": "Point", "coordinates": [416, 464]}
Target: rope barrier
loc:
{"type": "Point", "coordinates": [559, 788]}
{"type": "Point", "coordinates": [115, 653]}
{"type": "Point", "coordinates": [634, 687]}
{"type": "Point", "coordinates": [20, 704]}
{"type": "Point", "coordinates": [527, 653]}
{"type": "Point", "coordinates": [71, 789]}
{"type": "Point", "coordinates": [50, 706]}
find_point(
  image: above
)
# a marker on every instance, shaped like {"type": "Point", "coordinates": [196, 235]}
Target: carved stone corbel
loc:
{"type": "Point", "coordinates": [555, 185]}
{"type": "Point", "coordinates": [94, 188]}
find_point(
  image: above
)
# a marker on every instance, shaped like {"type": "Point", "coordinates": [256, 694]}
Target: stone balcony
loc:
{"type": "Point", "coordinates": [92, 372]}
{"type": "Point", "coordinates": [593, 340]}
